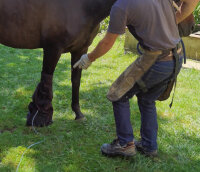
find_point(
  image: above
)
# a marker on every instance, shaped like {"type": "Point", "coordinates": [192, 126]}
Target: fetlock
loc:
{"type": "Point", "coordinates": [41, 103]}
{"type": "Point", "coordinates": [38, 118]}
{"type": "Point", "coordinates": [77, 111]}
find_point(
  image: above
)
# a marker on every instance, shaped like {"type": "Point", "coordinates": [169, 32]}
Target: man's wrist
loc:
{"type": "Point", "coordinates": [90, 57]}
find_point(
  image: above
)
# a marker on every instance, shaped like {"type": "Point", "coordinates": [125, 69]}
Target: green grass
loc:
{"type": "Point", "coordinates": [72, 146]}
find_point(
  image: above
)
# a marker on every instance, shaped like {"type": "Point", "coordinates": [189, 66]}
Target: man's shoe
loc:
{"type": "Point", "coordinates": [115, 149]}
{"type": "Point", "coordinates": [145, 151]}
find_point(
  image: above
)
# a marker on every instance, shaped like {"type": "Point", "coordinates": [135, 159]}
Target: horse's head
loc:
{"type": "Point", "coordinates": [186, 26]}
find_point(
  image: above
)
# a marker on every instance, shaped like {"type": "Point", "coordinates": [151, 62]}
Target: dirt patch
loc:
{"type": "Point", "coordinates": [192, 64]}
{"type": "Point", "coordinates": [11, 130]}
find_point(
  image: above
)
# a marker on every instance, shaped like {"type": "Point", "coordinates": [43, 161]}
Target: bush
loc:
{"type": "Point", "coordinates": [104, 25]}
{"type": "Point", "coordinates": [197, 14]}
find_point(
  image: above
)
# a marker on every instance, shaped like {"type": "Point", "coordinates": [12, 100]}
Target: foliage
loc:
{"type": "Point", "coordinates": [71, 146]}
{"type": "Point", "coordinates": [197, 14]}
{"type": "Point", "coordinates": [104, 25]}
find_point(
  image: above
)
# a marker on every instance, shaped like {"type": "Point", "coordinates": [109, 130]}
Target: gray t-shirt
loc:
{"type": "Point", "coordinates": [152, 22]}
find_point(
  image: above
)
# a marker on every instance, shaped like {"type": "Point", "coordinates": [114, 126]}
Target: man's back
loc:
{"type": "Point", "coordinates": [152, 21]}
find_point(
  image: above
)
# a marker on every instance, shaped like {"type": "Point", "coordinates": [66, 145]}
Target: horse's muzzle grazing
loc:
{"type": "Point", "coordinates": [187, 26]}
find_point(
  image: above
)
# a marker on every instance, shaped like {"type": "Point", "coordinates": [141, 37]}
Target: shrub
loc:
{"type": "Point", "coordinates": [197, 14]}
{"type": "Point", "coordinates": [104, 25]}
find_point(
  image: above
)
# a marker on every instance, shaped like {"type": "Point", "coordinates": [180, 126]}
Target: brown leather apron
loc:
{"type": "Point", "coordinates": [132, 74]}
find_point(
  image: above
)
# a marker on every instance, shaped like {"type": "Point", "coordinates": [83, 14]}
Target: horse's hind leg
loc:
{"type": "Point", "coordinates": [75, 79]}
{"type": "Point", "coordinates": [40, 109]}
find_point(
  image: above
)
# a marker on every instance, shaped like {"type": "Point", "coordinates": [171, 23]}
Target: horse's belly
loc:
{"type": "Point", "coordinates": [19, 24]}
{"type": "Point", "coordinates": [20, 40]}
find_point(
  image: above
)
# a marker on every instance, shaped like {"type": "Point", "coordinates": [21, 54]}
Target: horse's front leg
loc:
{"type": "Point", "coordinates": [41, 109]}
{"type": "Point", "coordinates": [75, 79]}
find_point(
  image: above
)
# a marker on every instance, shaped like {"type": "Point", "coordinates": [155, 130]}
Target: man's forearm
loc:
{"type": "Point", "coordinates": [187, 8]}
{"type": "Point", "coordinates": [103, 47]}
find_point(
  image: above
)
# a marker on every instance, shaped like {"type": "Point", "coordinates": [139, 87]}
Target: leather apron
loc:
{"type": "Point", "coordinates": [132, 74]}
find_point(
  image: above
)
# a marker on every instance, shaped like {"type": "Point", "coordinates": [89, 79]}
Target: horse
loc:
{"type": "Point", "coordinates": [57, 26]}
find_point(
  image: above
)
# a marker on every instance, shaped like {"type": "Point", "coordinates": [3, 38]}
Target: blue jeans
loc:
{"type": "Point", "coordinates": [159, 72]}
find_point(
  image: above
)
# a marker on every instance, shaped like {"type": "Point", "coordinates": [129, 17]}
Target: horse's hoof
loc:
{"type": "Point", "coordinates": [39, 120]}
{"type": "Point", "coordinates": [38, 124]}
{"type": "Point", "coordinates": [80, 119]}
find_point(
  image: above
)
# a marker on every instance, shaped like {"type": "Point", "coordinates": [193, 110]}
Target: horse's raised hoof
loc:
{"type": "Point", "coordinates": [38, 120]}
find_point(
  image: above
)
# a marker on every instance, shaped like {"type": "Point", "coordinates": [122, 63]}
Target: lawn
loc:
{"type": "Point", "coordinates": [75, 146]}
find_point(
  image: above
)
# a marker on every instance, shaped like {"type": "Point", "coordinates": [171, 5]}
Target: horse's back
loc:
{"type": "Point", "coordinates": [29, 23]}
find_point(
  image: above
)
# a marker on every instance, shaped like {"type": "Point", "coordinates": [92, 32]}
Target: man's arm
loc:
{"type": "Point", "coordinates": [103, 46]}
{"type": "Point", "coordinates": [117, 24]}
{"type": "Point", "coordinates": [187, 8]}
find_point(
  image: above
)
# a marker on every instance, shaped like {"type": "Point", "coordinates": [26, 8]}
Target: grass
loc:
{"type": "Point", "coordinates": [75, 147]}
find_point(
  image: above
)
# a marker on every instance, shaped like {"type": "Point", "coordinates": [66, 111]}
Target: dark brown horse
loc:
{"type": "Point", "coordinates": [57, 26]}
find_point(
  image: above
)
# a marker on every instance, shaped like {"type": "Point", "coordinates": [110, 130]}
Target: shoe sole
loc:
{"type": "Point", "coordinates": [141, 151]}
{"type": "Point", "coordinates": [117, 154]}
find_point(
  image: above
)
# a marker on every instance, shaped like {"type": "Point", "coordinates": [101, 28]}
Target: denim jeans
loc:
{"type": "Point", "coordinates": [159, 72]}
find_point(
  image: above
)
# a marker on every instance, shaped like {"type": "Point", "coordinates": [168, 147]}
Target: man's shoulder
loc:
{"type": "Point", "coordinates": [123, 4]}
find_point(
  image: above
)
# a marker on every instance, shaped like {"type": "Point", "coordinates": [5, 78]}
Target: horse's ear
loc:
{"type": "Point", "coordinates": [176, 1]}
{"type": "Point", "coordinates": [176, 6]}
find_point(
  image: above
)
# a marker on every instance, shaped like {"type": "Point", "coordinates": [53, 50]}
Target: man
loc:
{"type": "Point", "coordinates": [154, 24]}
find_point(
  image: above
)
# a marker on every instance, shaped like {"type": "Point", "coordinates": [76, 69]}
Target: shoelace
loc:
{"type": "Point", "coordinates": [115, 141]}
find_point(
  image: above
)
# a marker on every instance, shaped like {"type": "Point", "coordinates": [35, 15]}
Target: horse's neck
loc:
{"type": "Point", "coordinates": [106, 5]}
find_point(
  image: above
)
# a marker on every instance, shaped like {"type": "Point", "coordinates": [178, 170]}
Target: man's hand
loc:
{"type": "Point", "coordinates": [83, 63]}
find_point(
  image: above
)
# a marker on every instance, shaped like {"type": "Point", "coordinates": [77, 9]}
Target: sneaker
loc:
{"type": "Point", "coordinates": [115, 149]}
{"type": "Point", "coordinates": [145, 151]}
